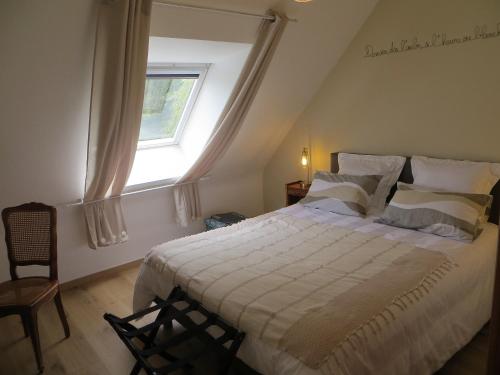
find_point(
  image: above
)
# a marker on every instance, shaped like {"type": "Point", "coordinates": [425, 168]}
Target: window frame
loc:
{"type": "Point", "coordinates": [172, 70]}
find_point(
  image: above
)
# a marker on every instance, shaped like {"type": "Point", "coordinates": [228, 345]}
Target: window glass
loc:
{"type": "Point", "coordinates": [165, 99]}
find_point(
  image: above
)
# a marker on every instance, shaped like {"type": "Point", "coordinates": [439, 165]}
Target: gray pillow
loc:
{"type": "Point", "coordinates": [342, 194]}
{"type": "Point", "coordinates": [453, 215]}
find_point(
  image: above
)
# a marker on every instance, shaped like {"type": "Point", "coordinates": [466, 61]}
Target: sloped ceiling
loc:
{"type": "Point", "coordinates": [309, 49]}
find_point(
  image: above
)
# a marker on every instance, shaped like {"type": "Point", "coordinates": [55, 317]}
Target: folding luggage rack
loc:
{"type": "Point", "coordinates": [180, 307]}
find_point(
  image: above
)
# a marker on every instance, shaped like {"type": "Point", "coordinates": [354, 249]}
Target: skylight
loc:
{"type": "Point", "coordinates": [169, 96]}
{"type": "Point", "coordinates": [188, 83]}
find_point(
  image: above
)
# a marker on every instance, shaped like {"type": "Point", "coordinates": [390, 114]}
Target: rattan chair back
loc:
{"type": "Point", "coordinates": [31, 237]}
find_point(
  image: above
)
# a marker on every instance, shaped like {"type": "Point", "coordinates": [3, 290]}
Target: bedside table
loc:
{"type": "Point", "coordinates": [295, 191]}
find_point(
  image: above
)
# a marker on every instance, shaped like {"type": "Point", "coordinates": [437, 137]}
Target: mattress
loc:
{"type": "Point", "coordinates": [422, 337]}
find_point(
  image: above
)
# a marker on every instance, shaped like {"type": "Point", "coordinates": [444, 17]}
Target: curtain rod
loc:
{"type": "Point", "coordinates": [80, 202]}
{"type": "Point", "coordinates": [218, 10]}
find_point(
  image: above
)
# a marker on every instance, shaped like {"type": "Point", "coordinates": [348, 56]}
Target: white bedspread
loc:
{"type": "Point", "coordinates": [422, 338]}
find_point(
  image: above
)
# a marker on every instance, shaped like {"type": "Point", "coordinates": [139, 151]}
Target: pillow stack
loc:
{"type": "Point", "coordinates": [387, 166]}
{"type": "Point", "coordinates": [449, 198]}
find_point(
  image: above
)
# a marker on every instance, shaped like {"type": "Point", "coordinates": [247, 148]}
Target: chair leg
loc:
{"type": "Point", "coordinates": [25, 325]}
{"type": "Point", "coordinates": [62, 315]}
{"type": "Point", "coordinates": [35, 339]}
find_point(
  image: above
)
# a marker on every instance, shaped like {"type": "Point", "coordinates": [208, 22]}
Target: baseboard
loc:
{"type": "Point", "coordinates": [100, 275]}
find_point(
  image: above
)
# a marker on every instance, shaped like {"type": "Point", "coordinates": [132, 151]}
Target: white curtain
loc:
{"type": "Point", "coordinates": [119, 74]}
{"type": "Point", "coordinates": [186, 195]}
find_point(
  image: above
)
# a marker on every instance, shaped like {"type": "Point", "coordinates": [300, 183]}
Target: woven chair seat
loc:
{"type": "Point", "coordinates": [26, 292]}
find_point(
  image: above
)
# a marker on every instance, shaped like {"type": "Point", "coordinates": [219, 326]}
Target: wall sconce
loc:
{"type": "Point", "coordinates": [305, 157]}
{"type": "Point", "coordinates": [304, 161]}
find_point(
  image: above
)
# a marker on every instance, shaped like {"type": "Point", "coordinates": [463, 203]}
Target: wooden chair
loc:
{"type": "Point", "coordinates": [31, 238]}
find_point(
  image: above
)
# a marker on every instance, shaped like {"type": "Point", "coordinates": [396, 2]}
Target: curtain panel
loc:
{"type": "Point", "coordinates": [118, 79]}
{"type": "Point", "coordinates": [186, 194]}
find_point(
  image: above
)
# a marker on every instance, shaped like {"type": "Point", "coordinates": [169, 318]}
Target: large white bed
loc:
{"type": "Point", "coordinates": [270, 273]}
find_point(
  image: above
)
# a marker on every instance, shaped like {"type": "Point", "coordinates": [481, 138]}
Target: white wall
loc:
{"type": "Point", "coordinates": [185, 23]}
{"type": "Point", "coordinates": [45, 67]}
{"type": "Point", "coordinates": [45, 72]}
{"type": "Point", "coordinates": [150, 221]}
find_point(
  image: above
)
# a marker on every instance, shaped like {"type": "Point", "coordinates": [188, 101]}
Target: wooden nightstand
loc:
{"type": "Point", "coordinates": [295, 191]}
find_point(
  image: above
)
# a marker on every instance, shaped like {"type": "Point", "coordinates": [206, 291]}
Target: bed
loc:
{"type": "Point", "coordinates": [322, 293]}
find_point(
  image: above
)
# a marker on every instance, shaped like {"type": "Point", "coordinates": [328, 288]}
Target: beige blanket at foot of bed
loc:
{"type": "Point", "coordinates": [366, 306]}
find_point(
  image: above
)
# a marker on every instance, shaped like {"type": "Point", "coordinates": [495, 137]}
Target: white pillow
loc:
{"type": "Point", "coordinates": [388, 166]}
{"type": "Point", "coordinates": [405, 186]}
{"type": "Point", "coordinates": [454, 175]}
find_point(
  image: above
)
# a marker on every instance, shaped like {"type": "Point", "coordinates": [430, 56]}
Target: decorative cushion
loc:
{"type": "Point", "coordinates": [454, 215]}
{"type": "Point", "coordinates": [342, 194]}
{"type": "Point", "coordinates": [389, 167]}
{"type": "Point", "coordinates": [404, 186]}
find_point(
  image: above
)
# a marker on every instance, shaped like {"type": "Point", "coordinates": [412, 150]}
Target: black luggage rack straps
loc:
{"type": "Point", "coordinates": [168, 312]}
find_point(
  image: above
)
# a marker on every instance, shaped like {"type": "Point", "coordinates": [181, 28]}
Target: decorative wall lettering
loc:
{"type": "Point", "coordinates": [436, 40]}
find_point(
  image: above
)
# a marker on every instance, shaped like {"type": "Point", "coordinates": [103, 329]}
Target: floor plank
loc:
{"type": "Point", "coordinates": [94, 349]}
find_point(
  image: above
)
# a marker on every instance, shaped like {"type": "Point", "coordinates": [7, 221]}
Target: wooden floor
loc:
{"type": "Point", "coordinates": [94, 349]}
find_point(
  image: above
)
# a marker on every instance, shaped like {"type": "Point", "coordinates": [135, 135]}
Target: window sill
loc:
{"type": "Point", "coordinates": [145, 145]}
{"type": "Point", "coordinates": [152, 185]}
{"type": "Point", "coordinates": [154, 166]}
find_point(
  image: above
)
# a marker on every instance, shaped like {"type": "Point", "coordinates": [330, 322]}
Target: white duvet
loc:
{"type": "Point", "coordinates": [422, 338]}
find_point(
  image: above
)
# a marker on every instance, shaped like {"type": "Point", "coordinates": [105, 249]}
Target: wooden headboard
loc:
{"type": "Point", "coordinates": [407, 176]}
